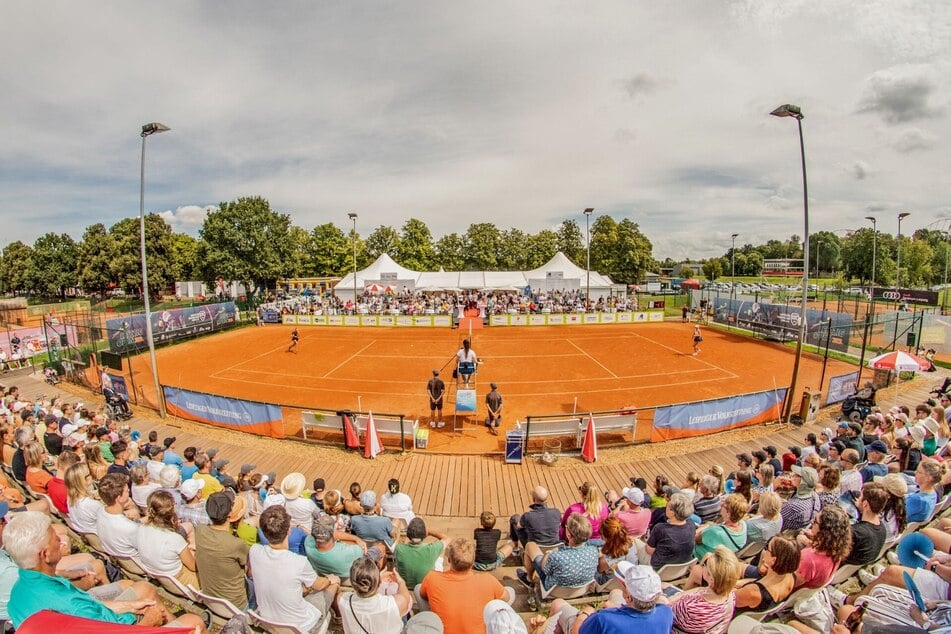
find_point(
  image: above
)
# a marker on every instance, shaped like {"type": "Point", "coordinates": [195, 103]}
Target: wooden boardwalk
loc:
{"type": "Point", "coordinates": [461, 486]}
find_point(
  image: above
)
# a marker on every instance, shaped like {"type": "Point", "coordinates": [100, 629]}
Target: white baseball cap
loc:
{"type": "Point", "coordinates": [642, 583]}
{"type": "Point", "coordinates": [633, 494]}
{"type": "Point", "coordinates": [190, 488]}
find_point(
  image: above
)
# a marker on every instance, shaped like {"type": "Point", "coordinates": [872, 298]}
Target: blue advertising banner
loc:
{"type": "Point", "coordinates": [842, 387]}
{"type": "Point", "coordinates": [249, 416]}
{"type": "Point", "coordinates": [271, 316]}
{"type": "Point", "coordinates": [707, 417]}
{"type": "Point", "coordinates": [127, 334]}
{"type": "Point", "coordinates": [778, 321]}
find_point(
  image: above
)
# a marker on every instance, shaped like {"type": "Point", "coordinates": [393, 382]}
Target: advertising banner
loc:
{"type": "Point", "coordinates": [231, 413]}
{"type": "Point", "coordinates": [422, 320]}
{"type": "Point", "coordinates": [334, 320]}
{"type": "Point", "coordinates": [640, 317]}
{"type": "Point", "coordinates": [656, 316]}
{"type": "Point", "coordinates": [351, 320]}
{"type": "Point", "coordinates": [592, 318]}
{"type": "Point", "coordinates": [288, 319]}
{"type": "Point", "coordinates": [781, 322]}
{"type": "Point", "coordinates": [499, 320]}
{"type": "Point", "coordinates": [271, 316]}
{"type": "Point", "coordinates": [842, 387]}
{"type": "Point", "coordinates": [386, 320]}
{"type": "Point", "coordinates": [404, 320]}
{"type": "Point", "coordinates": [709, 417]}
{"type": "Point", "coordinates": [537, 320]}
{"type": "Point", "coordinates": [573, 319]}
{"type": "Point", "coordinates": [556, 320]}
{"type": "Point", "coordinates": [442, 321]}
{"type": "Point", "coordinates": [608, 318]}
{"type": "Point", "coordinates": [32, 341]}
{"type": "Point", "coordinates": [127, 334]}
{"type": "Point", "coordinates": [465, 400]}
{"type": "Point", "coordinates": [906, 296]}
{"type": "Point", "coordinates": [305, 320]}
{"type": "Point", "coordinates": [518, 320]}
{"type": "Point", "coordinates": [624, 318]}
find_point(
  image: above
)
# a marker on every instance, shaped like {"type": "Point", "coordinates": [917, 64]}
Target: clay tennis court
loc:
{"type": "Point", "coordinates": [540, 370]}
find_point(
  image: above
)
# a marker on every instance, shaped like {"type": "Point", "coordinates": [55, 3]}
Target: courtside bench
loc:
{"type": "Point", "coordinates": [576, 426]}
{"type": "Point", "coordinates": [385, 426]}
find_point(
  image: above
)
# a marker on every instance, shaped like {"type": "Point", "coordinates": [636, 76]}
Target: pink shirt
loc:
{"type": "Point", "coordinates": [578, 507]}
{"type": "Point", "coordinates": [635, 521]}
{"type": "Point", "coordinates": [815, 569]}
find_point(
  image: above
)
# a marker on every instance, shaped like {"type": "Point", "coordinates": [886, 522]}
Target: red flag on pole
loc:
{"type": "Point", "coordinates": [372, 446]}
{"type": "Point", "coordinates": [589, 448]}
{"type": "Point", "coordinates": [350, 438]}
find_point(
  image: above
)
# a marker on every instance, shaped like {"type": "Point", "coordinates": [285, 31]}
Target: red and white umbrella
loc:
{"type": "Point", "coordinates": [589, 448]}
{"type": "Point", "coordinates": [373, 445]}
{"type": "Point", "coordinates": [900, 361]}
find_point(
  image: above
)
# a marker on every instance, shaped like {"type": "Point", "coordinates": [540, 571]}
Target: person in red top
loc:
{"type": "Point", "coordinates": [458, 596]}
{"type": "Point", "coordinates": [829, 542]}
{"type": "Point", "coordinates": [56, 487]}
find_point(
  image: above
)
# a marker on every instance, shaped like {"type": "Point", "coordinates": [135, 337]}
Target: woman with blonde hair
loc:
{"type": "Point", "coordinates": [691, 485]}
{"type": "Point", "coordinates": [717, 472]}
{"type": "Point", "coordinates": [333, 506]}
{"type": "Point", "coordinates": [730, 533]}
{"type": "Point", "coordinates": [766, 476]}
{"type": "Point", "coordinates": [162, 547]}
{"type": "Point", "coordinates": [37, 477]}
{"type": "Point", "coordinates": [762, 527]}
{"type": "Point", "coordinates": [709, 608]}
{"type": "Point", "coordinates": [83, 507]}
{"type": "Point", "coordinates": [592, 506]}
{"type": "Point", "coordinates": [98, 467]}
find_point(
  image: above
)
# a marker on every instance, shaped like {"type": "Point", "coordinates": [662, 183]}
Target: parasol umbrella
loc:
{"type": "Point", "coordinates": [899, 362]}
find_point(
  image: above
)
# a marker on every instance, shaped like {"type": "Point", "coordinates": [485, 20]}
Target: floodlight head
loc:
{"type": "Point", "coordinates": [589, 211]}
{"type": "Point", "coordinates": [733, 236]}
{"type": "Point", "coordinates": [788, 110]}
{"type": "Point", "coordinates": [352, 216]}
{"type": "Point", "coordinates": [904, 215]}
{"type": "Point", "coordinates": [154, 128]}
{"type": "Point", "coordinates": [872, 218]}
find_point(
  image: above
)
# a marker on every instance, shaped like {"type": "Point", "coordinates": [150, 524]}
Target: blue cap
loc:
{"type": "Point", "coordinates": [136, 435]}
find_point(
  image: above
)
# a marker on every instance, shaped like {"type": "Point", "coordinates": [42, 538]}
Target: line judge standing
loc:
{"type": "Point", "coordinates": [493, 401]}
{"type": "Point", "coordinates": [436, 389]}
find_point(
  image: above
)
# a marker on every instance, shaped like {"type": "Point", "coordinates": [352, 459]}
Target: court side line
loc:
{"type": "Point", "coordinates": [582, 351]}
{"type": "Point", "coordinates": [242, 362]}
{"type": "Point", "coordinates": [681, 352]}
{"type": "Point", "coordinates": [347, 360]}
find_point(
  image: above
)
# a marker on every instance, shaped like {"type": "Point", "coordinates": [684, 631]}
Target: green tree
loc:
{"type": "Point", "coordinates": [604, 240]}
{"type": "Point", "coordinates": [14, 266]}
{"type": "Point", "coordinates": [916, 257]}
{"type": "Point", "coordinates": [416, 248]}
{"type": "Point", "coordinates": [856, 257]}
{"type": "Point", "coordinates": [95, 260]}
{"type": "Point", "coordinates": [451, 252]}
{"type": "Point", "coordinates": [126, 266]}
{"type": "Point", "coordinates": [384, 239]}
{"type": "Point", "coordinates": [483, 242]}
{"type": "Point", "coordinates": [53, 265]}
{"type": "Point", "coordinates": [620, 250]}
{"type": "Point", "coordinates": [571, 242]}
{"type": "Point", "coordinates": [244, 240]}
{"type": "Point", "coordinates": [512, 250]}
{"type": "Point", "coordinates": [184, 257]}
{"type": "Point", "coordinates": [331, 251]}
{"type": "Point", "coordinates": [540, 248]}
{"type": "Point", "coordinates": [713, 268]}
{"type": "Point", "coordinates": [824, 252]}
{"type": "Point", "coordinates": [302, 245]}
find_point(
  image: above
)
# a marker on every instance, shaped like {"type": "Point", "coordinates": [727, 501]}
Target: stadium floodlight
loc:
{"type": "Point", "coordinates": [587, 227]}
{"type": "Point", "coordinates": [148, 130]}
{"type": "Point", "coordinates": [901, 217]}
{"type": "Point", "coordinates": [874, 246]}
{"type": "Point", "coordinates": [733, 267]}
{"type": "Point", "coordinates": [353, 216]}
{"type": "Point", "coordinates": [789, 110]}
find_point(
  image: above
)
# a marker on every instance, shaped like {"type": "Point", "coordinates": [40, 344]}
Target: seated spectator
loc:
{"type": "Point", "coordinates": [765, 477]}
{"type": "Point", "coordinates": [23, 436]}
{"type": "Point", "coordinates": [221, 558]}
{"type": "Point", "coordinates": [812, 445]}
{"type": "Point", "coordinates": [98, 467]}
{"type": "Point", "coordinates": [188, 468]}
{"type": "Point", "coordinates": [32, 543]}
{"type": "Point", "coordinates": [301, 509]}
{"type": "Point", "coordinates": [921, 505]}
{"type": "Point", "coordinates": [162, 548]}
{"type": "Point", "coordinates": [639, 606]}
{"type": "Point", "coordinates": [56, 487]}
{"type": "Point", "coordinates": [730, 533]}
{"type": "Point", "coordinates": [835, 452]}
{"type": "Point", "coordinates": [617, 545]}
{"type": "Point", "coordinates": [333, 507]}
{"type": "Point", "coordinates": [908, 451]}
{"type": "Point", "coordinates": [331, 553]}
{"type": "Point", "coordinates": [875, 466]}
{"type": "Point", "coordinates": [671, 542]}
{"type": "Point", "coordinates": [717, 472]}
{"type": "Point", "coordinates": [193, 510]}
{"type": "Point", "coordinates": [707, 506]}
{"type": "Point", "coordinates": [118, 534]}
{"type": "Point", "coordinates": [104, 439]}
{"type": "Point", "coordinates": [828, 486]}
{"type": "Point", "coordinates": [540, 523]}
{"type": "Point", "coordinates": [868, 534]}
{"type": "Point", "coordinates": [569, 566]}
{"type": "Point", "coordinates": [800, 509]}
{"type": "Point", "coordinates": [83, 508]}
{"type": "Point", "coordinates": [895, 515]}
{"type": "Point", "coordinates": [792, 458]}
{"type": "Point", "coordinates": [691, 485]}
{"type": "Point", "coordinates": [592, 506]}
{"type": "Point", "coordinates": [52, 440]}
{"type": "Point", "coordinates": [777, 566]}
{"type": "Point", "coordinates": [250, 489]}
{"type": "Point", "coordinates": [120, 463]}
{"type": "Point", "coordinates": [171, 457]}
{"type": "Point", "coordinates": [352, 506]}
{"type": "Point", "coordinates": [631, 512]}
{"type": "Point", "coordinates": [293, 593]}
{"type": "Point", "coordinates": [369, 526]}
{"type": "Point", "coordinates": [488, 554]}
{"type": "Point", "coordinates": [458, 595]}
{"type": "Point", "coordinates": [658, 499]}
{"type": "Point", "coordinates": [296, 537]}
{"type": "Point", "coordinates": [415, 559]}
{"type": "Point", "coordinates": [366, 609]}
{"type": "Point", "coordinates": [764, 526]}
{"type": "Point", "coordinates": [829, 541]}
{"type": "Point", "coordinates": [709, 608]}
{"type": "Point", "coordinates": [743, 485]}
{"type": "Point", "coordinates": [317, 497]}
{"type": "Point", "coordinates": [142, 487]}
{"type": "Point", "coordinates": [204, 464]}
{"type": "Point", "coordinates": [170, 480]}
{"type": "Point", "coordinates": [37, 477]}
{"type": "Point", "coordinates": [396, 505]}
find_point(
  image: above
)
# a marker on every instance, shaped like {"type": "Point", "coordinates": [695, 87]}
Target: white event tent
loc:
{"type": "Point", "coordinates": [559, 273]}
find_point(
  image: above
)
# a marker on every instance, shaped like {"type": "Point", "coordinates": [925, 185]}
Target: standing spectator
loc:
{"type": "Point", "coordinates": [415, 559]}
{"type": "Point", "coordinates": [592, 507]}
{"type": "Point", "coordinates": [292, 593]}
{"type": "Point", "coordinates": [458, 595]}
{"type": "Point", "coordinates": [799, 511]}
{"type": "Point", "coordinates": [435, 389]}
{"type": "Point", "coordinates": [396, 505]}
{"type": "Point", "coordinates": [221, 558]}
{"type": "Point", "coordinates": [540, 523]}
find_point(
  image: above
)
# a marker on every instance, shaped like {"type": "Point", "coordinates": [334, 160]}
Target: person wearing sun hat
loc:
{"type": "Point", "coordinates": [193, 510]}
{"type": "Point", "coordinates": [301, 509]}
{"type": "Point", "coordinates": [800, 509]}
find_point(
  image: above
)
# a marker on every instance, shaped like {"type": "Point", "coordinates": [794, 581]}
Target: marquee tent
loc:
{"type": "Point", "coordinates": [557, 274]}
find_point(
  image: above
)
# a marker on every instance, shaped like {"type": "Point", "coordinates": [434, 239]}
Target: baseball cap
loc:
{"type": "Point", "coordinates": [220, 463]}
{"type": "Point", "coordinates": [744, 458]}
{"type": "Point", "coordinates": [856, 427]}
{"type": "Point", "coordinates": [368, 499]}
{"type": "Point", "coordinates": [810, 477]}
{"type": "Point", "coordinates": [642, 583]}
{"type": "Point", "coordinates": [633, 494]}
{"type": "Point", "coordinates": [219, 505]}
{"type": "Point", "coordinates": [190, 488]}
{"type": "Point", "coordinates": [843, 423]}
{"type": "Point", "coordinates": [247, 468]}
{"type": "Point", "coordinates": [169, 441]}
{"type": "Point", "coordinates": [877, 445]}
{"type": "Point", "coordinates": [770, 449]}
{"type": "Point", "coordinates": [500, 618]}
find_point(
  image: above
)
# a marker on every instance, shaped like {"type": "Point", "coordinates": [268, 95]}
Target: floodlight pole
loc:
{"type": "Point", "coordinates": [733, 266]}
{"type": "Point", "coordinates": [353, 236]}
{"type": "Point", "coordinates": [147, 130]}
{"type": "Point", "coordinates": [587, 227]}
{"type": "Point", "coordinates": [874, 244]}
{"type": "Point", "coordinates": [795, 112]}
{"type": "Point", "coordinates": [901, 217]}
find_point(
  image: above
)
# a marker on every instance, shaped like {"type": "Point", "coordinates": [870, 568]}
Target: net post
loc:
{"type": "Point", "coordinates": [402, 436]}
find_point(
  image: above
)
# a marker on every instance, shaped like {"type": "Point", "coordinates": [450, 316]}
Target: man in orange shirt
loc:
{"type": "Point", "coordinates": [459, 595]}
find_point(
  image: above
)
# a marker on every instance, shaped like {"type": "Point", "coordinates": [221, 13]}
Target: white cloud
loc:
{"type": "Point", "coordinates": [187, 217]}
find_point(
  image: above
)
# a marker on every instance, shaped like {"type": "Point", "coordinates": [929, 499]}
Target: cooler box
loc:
{"type": "Point", "coordinates": [513, 446]}
{"type": "Point", "coordinates": [422, 438]}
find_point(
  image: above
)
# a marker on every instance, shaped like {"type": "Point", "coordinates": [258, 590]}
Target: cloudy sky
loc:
{"type": "Point", "coordinates": [518, 113]}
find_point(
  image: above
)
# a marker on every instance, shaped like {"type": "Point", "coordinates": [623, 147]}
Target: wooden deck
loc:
{"type": "Point", "coordinates": [461, 487]}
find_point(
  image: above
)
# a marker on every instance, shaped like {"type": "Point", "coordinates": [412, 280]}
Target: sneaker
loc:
{"type": "Point", "coordinates": [892, 558]}
{"type": "Point", "coordinates": [432, 424]}
{"type": "Point", "coordinates": [866, 577]}
{"type": "Point", "coordinates": [441, 424]}
{"type": "Point", "coordinates": [837, 598]}
{"type": "Point", "coordinates": [523, 579]}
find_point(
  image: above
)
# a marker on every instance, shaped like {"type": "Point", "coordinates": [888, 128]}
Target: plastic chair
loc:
{"type": "Point", "coordinates": [170, 583]}
{"type": "Point", "coordinates": [130, 567]}
{"type": "Point", "coordinates": [845, 571]}
{"type": "Point", "coordinates": [221, 608]}
{"type": "Point", "coordinates": [750, 550]}
{"type": "Point", "coordinates": [567, 593]}
{"type": "Point", "coordinates": [275, 627]}
{"type": "Point", "coordinates": [673, 572]}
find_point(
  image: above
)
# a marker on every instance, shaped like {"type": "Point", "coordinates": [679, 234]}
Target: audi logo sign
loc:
{"type": "Point", "coordinates": [906, 295]}
{"type": "Point", "coordinates": [893, 295]}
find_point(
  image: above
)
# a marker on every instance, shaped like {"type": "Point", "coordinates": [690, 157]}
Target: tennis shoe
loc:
{"type": "Point", "coordinates": [432, 424]}
{"type": "Point", "coordinates": [523, 579]}
{"type": "Point", "coordinates": [867, 577]}
{"type": "Point", "coordinates": [441, 424]}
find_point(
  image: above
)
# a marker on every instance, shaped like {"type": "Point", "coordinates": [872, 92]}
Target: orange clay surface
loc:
{"type": "Point", "coordinates": [539, 370]}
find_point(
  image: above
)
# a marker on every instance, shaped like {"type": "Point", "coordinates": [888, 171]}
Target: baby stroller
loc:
{"type": "Point", "coordinates": [116, 406]}
{"type": "Point", "coordinates": [51, 376]}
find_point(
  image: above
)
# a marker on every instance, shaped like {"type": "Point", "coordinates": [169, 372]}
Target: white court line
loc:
{"type": "Point", "coordinates": [682, 353]}
{"type": "Point", "coordinates": [582, 351]}
{"type": "Point", "coordinates": [240, 363]}
{"type": "Point", "coordinates": [485, 358]}
{"type": "Point", "coordinates": [347, 360]}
